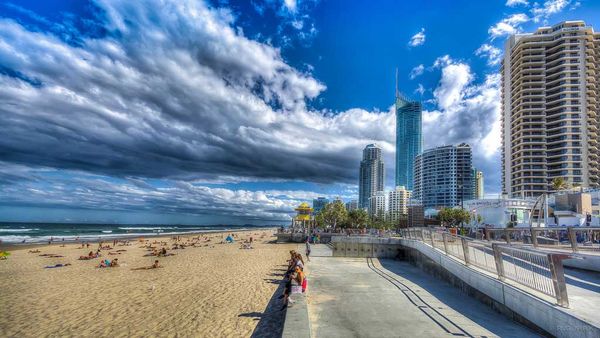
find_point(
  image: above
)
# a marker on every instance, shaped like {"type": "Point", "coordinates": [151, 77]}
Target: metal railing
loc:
{"type": "Point", "coordinates": [574, 239]}
{"type": "Point", "coordinates": [536, 270]}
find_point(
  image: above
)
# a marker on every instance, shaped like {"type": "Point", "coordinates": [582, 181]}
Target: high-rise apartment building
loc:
{"type": "Point", "coordinates": [378, 205]}
{"type": "Point", "coordinates": [550, 107]}
{"type": "Point", "coordinates": [319, 203]}
{"type": "Point", "coordinates": [398, 203]}
{"type": "Point", "coordinates": [444, 176]}
{"type": "Point", "coordinates": [372, 175]}
{"type": "Point", "coordinates": [409, 139]}
{"type": "Point", "coordinates": [477, 184]}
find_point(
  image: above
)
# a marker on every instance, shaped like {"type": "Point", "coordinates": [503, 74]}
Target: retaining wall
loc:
{"type": "Point", "coordinates": [344, 246]}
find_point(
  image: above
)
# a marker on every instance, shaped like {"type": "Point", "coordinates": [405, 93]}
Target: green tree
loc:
{"type": "Point", "coordinates": [559, 183]}
{"type": "Point", "coordinates": [453, 217]}
{"type": "Point", "coordinates": [445, 216]}
{"type": "Point", "coordinates": [358, 218]}
{"type": "Point", "coordinates": [333, 214]}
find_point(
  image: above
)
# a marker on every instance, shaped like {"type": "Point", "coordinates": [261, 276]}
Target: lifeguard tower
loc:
{"type": "Point", "coordinates": [304, 219]}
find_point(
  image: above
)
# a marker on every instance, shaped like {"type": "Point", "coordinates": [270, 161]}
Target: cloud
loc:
{"type": "Point", "coordinates": [513, 3]}
{"type": "Point", "coordinates": [508, 26]}
{"type": "Point", "coordinates": [493, 54]}
{"type": "Point", "coordinates": [442, 61]}
{"type": "Point", "coordinates": [290, 5]}
{"type": "Point", "coordinates": [467, 112]}
{"type": "Point", "coordinates": [550, 7]}
{"type": "Point", "coordinates": [191, 103]}
{"type": "Point", "coordinates": [420, 89]}
{"type": "Point", "coordinates": [417, 71]}
{"type": "Point", "coordinates": [193, 100]}
{"type": "Point", "coordinates": [50, 189]}
{"type": "Point", "coordinates": [418, 39]}
{"type": "Point", "coordinates": [451, 89]}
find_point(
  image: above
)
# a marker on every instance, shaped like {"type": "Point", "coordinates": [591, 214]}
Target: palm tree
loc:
{"type": "Point", "coordinates": [559, 183]}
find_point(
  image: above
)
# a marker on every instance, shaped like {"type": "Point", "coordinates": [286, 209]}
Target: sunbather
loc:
{"type": "Point", "coordinates": [153, 266]}
{"type": "Point", "coordinates": [56, 266]}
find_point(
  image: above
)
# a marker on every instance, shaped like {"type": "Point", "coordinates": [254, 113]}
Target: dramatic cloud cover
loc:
{"type": "Point", "coordinates": [193, 99]}
{"type": "Point", "coordinates": [178, 102]}
{"type": "Point", "coordinates": [171, 107]}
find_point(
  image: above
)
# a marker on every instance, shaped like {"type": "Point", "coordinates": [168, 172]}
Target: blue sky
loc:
{"type": "Point", "coordinates": [236, 111]}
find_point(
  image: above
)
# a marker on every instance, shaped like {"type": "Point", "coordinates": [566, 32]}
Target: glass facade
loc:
{"type": "Point", "coordinates": [409, 140]}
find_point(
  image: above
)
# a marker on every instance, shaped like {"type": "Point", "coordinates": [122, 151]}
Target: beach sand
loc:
{"type": "Point", "coordinates": [218, 290]}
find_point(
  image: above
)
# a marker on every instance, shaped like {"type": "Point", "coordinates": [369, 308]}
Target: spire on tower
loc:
{"type": "Point", "coordinates": [396, 82]}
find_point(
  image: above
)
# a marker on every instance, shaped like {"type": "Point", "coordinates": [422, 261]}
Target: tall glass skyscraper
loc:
{"type": "Point", "coordinates": [409, 139]}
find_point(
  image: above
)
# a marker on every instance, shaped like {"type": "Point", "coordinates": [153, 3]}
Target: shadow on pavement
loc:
{"type": "Point", "coordinates": [452, 297]}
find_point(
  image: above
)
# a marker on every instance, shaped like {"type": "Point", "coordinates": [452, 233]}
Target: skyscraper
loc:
{"type": "Point", "coordinates": [550, 107]}
{"type": "Point", "coordinates": [444, 176]}
{"type": "Point", "coordinates": [409, 139]}
{"type": "Point", "coordinates": [372, 175]}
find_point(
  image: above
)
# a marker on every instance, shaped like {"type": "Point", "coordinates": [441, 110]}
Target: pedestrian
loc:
{"type": "Point", "coordinates": [307, 250]}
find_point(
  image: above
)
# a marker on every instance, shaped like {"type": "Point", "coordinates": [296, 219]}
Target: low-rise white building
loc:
{"type": "Point", "coordinates": [497, 212]}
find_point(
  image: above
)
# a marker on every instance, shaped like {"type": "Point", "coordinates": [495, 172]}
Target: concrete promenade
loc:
{"type": "Point", "coordinates": [364, 297]}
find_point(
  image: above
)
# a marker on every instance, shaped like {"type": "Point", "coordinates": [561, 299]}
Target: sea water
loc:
{"type": "Point", "coordinates": [14, 233]}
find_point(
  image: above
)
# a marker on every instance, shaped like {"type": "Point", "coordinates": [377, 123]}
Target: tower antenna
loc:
{"type": "Point", "coordinates": [396, 82]}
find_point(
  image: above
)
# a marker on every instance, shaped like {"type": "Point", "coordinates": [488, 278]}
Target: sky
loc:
{"type": "Point", "coordinates": [234, 112]}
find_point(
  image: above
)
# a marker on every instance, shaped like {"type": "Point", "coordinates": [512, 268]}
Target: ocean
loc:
{"type": "Point", "coordinates": [16, 233]}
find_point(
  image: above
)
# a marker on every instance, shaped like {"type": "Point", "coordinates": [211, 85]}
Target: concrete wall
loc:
{"type": "Point", "coordinates": [521, 306]}
{"type": "Point", "coordinates": [300, 237]}
{"type": "Point", "coordinates": [359, 246]}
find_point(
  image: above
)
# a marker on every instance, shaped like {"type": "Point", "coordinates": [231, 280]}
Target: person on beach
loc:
{"type": "Point", "coordinates": [307, 249]}
{"type": "Point", "coordinates": [153, 266]}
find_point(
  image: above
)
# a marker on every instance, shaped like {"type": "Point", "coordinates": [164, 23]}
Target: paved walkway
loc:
{"type": "Point", "coordinates": [358, 297]}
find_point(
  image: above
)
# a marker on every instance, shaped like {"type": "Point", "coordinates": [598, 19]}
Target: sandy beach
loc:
{"type": "Point", "coordinates": [215, 290]}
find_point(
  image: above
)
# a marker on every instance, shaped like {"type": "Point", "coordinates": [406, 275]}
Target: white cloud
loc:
{"type": "Point", "coordinates": [442, 61]}
{"type": "Point", "coordinates": [466, 112]}
{"type": "Point", "coordinates": [493, 54]}
{"type": "Point", "coordinates": [508, 26]}
{"type": "Point", "coordinates": [290, 5]}
{"type": "Point", "coordinates": [415, 72]}
{"type": "Point", "coordinates": [513, 3]}
{"type": "Point", "coordinates": [550, 7]}
{"type": "Point", "coordinates": [451, 89]}
{"type": "Point", "coordinates": [418, 39]}
{"type": "Point", "coordinates": [420, 89]}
